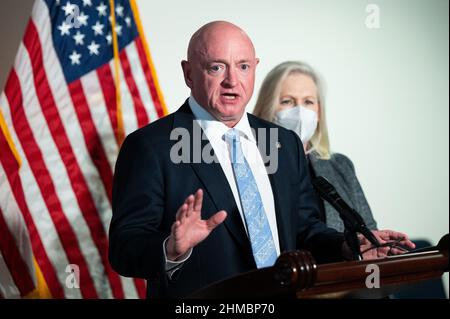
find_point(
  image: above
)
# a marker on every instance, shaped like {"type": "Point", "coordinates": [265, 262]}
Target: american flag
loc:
{"type": "Point", "coordinates": [82, 80]}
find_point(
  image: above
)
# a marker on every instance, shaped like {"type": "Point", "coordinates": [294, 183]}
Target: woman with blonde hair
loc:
{"type": "Point", "coordinates": [292, 96]}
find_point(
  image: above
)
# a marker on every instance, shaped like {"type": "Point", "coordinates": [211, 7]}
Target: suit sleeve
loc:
{"type": "Point", "coordinates": [136, 244]}
{"type": "Point", "coordinates": [312, 234]}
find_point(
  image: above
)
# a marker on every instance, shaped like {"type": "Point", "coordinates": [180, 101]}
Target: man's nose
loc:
{"type": "Point", "coordinates": [230, 78]}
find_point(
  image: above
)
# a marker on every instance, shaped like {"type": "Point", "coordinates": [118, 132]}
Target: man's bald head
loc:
{"type": "Point", "coordinates": [220, 70]}
{"type": "Point", "coordinates": [212, 32]}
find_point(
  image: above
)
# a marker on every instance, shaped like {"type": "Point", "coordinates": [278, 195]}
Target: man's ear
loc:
{"type": "Point", "coordinates": [186, 66]}
{"type": "Point", "coordinates": [257, 61]}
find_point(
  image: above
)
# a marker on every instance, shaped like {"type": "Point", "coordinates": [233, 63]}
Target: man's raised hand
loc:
{"type": "Point", "coordinates": [189, 229]}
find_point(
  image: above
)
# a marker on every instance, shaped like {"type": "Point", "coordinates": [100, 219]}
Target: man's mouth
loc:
{"type": "Point", "coordinates": [230, 96]}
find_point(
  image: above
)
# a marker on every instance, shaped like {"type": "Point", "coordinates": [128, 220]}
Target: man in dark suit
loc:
{"type": "Point", "coordinates": [193, 210]}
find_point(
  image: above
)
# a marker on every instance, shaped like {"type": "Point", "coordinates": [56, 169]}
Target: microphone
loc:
{"type": "Point", "coordinates": [352, 220]}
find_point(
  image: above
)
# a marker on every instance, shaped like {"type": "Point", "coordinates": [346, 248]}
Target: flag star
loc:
{"type": "Point", "coordinates": [79, 38]}
{"type": "Point", "coordinates": [58, 2]}
{"type": "Point", "coordinates": [64, 28]}
{"type": "Point", "coordinates": [109, 38]}
{"type": "Point", "coordinates": [75, 57]}
{"type": "Point", "coordinates": [98, 28]}
{"type": "Point", "coordinates": [101, 9]}
{"type": "Point", "coordinates": [87, 3]}
{"type": "Point", "coordinates": [82, 18]}
{"type": "Point", "coordinates": [118, 29]}
{"type": "Point", "coordinates": [119, 10]}
{"type": "Point", "coordinates": [128, 21]}
{"type": "Point", "coordinates": [93, 48]}
{"type": "Point", "coordinates": [68, 8]}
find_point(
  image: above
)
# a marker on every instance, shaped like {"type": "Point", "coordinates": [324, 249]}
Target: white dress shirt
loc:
{"type": "Point", "coordinates": [214, 131]}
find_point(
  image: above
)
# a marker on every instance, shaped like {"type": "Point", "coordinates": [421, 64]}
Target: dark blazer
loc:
{"type": "Point", "coordinates": [340, 172]}
{"type": "Point", "coordinates": [149, 188]}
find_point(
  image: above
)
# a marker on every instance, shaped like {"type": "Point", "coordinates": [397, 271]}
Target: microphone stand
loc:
{"type": "Point", "coordinates": [353, 222]}
{"type": "Point", "coordinates": [351, 237]}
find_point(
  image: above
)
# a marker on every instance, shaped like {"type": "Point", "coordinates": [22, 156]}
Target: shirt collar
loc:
{"type": "Point", "coordinates": [212, 126]}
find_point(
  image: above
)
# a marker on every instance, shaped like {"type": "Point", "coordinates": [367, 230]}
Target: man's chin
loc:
{"type": "Point", "coordinates": [230, 113]}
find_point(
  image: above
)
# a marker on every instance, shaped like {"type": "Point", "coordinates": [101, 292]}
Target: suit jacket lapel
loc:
{"type": "Point", "coordinates": [213, 178]}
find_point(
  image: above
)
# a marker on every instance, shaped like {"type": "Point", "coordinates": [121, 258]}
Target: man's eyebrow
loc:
{"type": "Point", "coordinates": [217, 61]}
{"type": "Point", "coordinates": [226, 62]}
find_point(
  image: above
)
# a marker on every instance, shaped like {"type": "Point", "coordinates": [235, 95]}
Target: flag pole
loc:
{"type": "Point", "coordinates": [42, 291]}
{"type": "Point", "coordinates": [120, 125]}
{"type": "Point", "coordinates": [4, 128]}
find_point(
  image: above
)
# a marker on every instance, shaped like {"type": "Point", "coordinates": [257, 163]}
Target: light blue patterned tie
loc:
{"type": "Point", "coordinates": [258, 228]}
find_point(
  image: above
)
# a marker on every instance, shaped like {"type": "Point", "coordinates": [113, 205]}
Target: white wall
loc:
{"type": "Point", "coordinates": [388, 102]}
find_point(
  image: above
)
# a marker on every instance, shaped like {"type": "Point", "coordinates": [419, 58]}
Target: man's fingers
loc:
{"type": "Point", "coordinates": [174, 229]}
{"type": "Point", "coordinates": [190, 205]}
{"type": "Point", "coordinates": [181, 212]}
{"type": "Point", "coordinates": [216, 219]}
{"type": "Point", "coordinates": [198, 201]}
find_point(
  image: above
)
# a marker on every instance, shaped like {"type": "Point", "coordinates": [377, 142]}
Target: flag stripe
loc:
{"type": "Point", "coordinates": [141, 287]}
{"type": "Point", "coordinates": [108, 87]}
{"type": "Point", "coordinates": [148, 75]}
{"type": "Point", "coordinates": [11, 167]}
{"type": "Point", "coordinates": [128, 114]}
{"type": "Point", "coordinates": [18, 268]}
{"type": "Point", "coordinates": [8, 288]}
{"type": "Point", "coordinates": [42, 175]}
{"type": "Point", "coordinates": [99, 111]}
{"type": "Point", "coordinates": [77, 180]}
{"type": "Point", "coordinates": [129, 287]}
{"type": "Point", "coordinates": [91, 137]}
{"type": "Point", "coordinates": [141, 114]}
{"type": "Point", "coordinates": [4, 129]}
{"type": "Point", "coordinates": [67, 112]}
{"type": "Point", "coordinates": [74, 129]}
{"type": "Point", "coordinates": [89, 93]}
{"type": "Point", "coordinates": [15, 225]}
{"type": "Point", "coordinates": [14, 219]}
{"type": "Point", "coordinates": [141, 81]}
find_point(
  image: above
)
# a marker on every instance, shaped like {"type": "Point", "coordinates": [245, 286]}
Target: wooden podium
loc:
{"type": "Point", "coordinates": [296, 275]}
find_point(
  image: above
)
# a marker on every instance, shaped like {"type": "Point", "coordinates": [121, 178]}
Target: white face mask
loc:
{"type": "Point", "coordinates": [299, 119]}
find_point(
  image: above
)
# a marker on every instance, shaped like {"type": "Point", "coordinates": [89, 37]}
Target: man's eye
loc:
{"type": "Point", "coordinates": [215, 68]}
{"type": "Point", "coordinates": [245, 67]}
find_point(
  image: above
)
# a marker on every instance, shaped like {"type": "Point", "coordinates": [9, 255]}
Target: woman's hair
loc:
{"type": "Point", "coordinates": [269, 95]}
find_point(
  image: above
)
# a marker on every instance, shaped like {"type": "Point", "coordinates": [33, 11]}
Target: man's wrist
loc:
{"type": "Point", "coordinates": [170, 251]}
